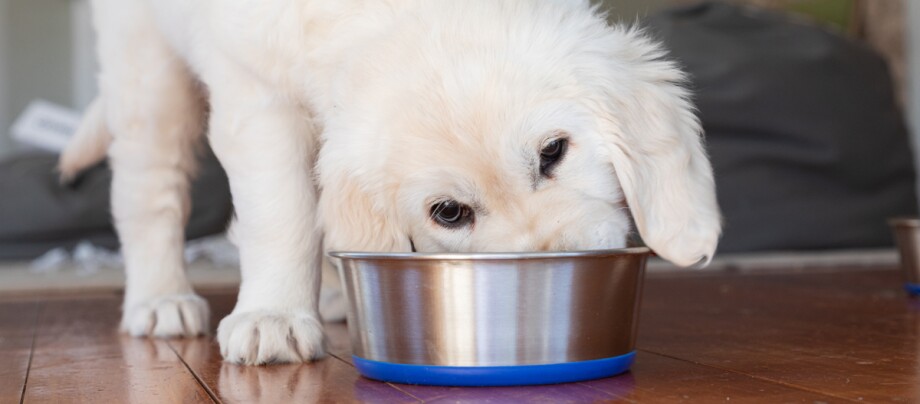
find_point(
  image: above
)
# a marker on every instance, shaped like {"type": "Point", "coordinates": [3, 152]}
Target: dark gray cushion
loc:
{"type": "Point", "coordinates": [809, 148]}
{"type": "Point", "coordinates": [38, 214]}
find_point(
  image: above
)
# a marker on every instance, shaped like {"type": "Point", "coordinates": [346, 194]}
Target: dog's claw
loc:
{"type": "Point", "coordinates": [184, 315]}
{"type": "Point", "coordinates": [268, 337]}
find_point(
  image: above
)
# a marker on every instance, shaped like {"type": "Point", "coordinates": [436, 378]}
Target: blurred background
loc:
{"type": "Point", "coordinates": [46, 46]}
{"type": "Point", "coordinates": [809, 108]}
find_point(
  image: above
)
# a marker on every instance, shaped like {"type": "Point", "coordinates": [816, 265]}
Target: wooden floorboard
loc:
{"type": "Point", "coordinates": [326, 381]}
{"type": "Point", "coordinates": [17, 332]}
{"type": "Point", "coordinates": [851, 335]}
{"type": "Point", "coordinates": [656, 378]}
{"type": "Point", "coordinates": [717, 337]}
{"type": "Point", "coordinates": [331, 380]}
{"type": "Point", "coordinates": [338, 342]}
{"type": "Point", "coordinates": [14, 365]}
{"type": "Point", "coordinates": [80, 357]}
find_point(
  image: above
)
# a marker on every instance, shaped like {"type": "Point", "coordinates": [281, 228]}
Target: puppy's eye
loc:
{"type": "Point", "coordinates": [551, 155]}
{"type": "Point", "coordinates": [451, 214]}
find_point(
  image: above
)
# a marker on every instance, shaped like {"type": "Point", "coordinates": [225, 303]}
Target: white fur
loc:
{"type": "Point", "coordinates": [342, 122]}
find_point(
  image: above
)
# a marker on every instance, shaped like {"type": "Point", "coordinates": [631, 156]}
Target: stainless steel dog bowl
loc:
{"type": "Point", "coordinates": [492, 319]}
{"type": "Point", "coordinates": [907, 236]}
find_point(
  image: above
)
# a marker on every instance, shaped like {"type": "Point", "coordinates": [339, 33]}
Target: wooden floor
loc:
{"type": "Point", "coordinates": [831, 337]}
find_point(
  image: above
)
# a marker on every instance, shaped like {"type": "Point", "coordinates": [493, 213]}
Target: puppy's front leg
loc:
{"type": "Point", "coordinates": [266, 146]}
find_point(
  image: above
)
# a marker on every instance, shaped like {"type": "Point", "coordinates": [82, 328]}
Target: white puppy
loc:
{"type": "Point", "coordinates": [435, 125]}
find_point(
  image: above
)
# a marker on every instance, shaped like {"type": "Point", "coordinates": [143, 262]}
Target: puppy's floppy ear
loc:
{"type": "Point", "coordinates": [654, 141]}
{"type": "Point", "coordinates": [359, 219]}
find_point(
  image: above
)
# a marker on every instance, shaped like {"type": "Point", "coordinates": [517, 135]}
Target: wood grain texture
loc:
{"type": "Point", "coordinates": [339, 344]}
{"type": "Point", "coordinates": [326, 381]}
{"type": "Point", "coordinates": [331, 380]}
{"type": "Point", "coordinates": [14, 364]}
{"type": "Point", "coordinates": [840, 336]}
{"type": "Point", "coordinates": [852, 335]}
{"type": "Point", "coordinates": [656, 378]}
{"type": "Point", "coordinates": [17, 329]}
{"type": "Point", "coordinates": [80, 357]}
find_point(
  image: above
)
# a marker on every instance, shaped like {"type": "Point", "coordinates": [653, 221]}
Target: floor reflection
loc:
{"type": "Point", "coordinates": [914, 392]}
{"type": "Point", "coordinates": [272, 384]}
{"type": "Point", "coordinates": [155, 373]}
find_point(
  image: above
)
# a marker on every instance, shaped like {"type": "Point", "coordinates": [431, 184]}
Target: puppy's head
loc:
{"type": "Point", "coordinates": [514, 126]}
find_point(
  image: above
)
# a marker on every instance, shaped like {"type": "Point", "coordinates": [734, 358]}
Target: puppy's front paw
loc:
{"type": "Point", "coordinates": [264, 337]}
{"type": "Point", "coordinates": [183, 315]}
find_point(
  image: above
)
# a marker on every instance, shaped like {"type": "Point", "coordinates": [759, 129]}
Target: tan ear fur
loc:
{"type": "Point", "coordinates": [656, 148]}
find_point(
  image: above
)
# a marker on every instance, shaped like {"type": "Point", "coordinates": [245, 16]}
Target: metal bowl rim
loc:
{"type": "Point", "coordinates": [491, 256]}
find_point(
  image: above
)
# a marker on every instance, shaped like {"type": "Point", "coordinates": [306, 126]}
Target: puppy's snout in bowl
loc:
{"type": "Point", "coordinates": [492, 318]}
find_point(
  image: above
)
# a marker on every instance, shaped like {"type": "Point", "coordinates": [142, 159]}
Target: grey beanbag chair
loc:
{"type": "Point", "coordinates": [38, 214]}
{"type": "Point", "coordinates": [809, 148]}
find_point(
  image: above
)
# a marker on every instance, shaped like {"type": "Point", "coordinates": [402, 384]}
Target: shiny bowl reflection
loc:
{"type": "Point", "coordinates": [487, 311]}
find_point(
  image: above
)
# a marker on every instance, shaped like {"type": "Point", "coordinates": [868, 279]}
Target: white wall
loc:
{"type": "Point", "coordinates": [37, 58]}
{"type": "Point", "coordinates": [5, 122]}
{"type": "Point", "coordinates": [84, 63]}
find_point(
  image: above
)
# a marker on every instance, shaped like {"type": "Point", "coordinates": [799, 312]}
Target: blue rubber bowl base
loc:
{"type": "Point", "coordinates": [912, 289]}
{"type": "Point", "coordinates": [494, 375]}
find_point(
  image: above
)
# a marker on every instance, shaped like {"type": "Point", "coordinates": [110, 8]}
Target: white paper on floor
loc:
{"type": "Point", "coordinates": [87, 259]}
